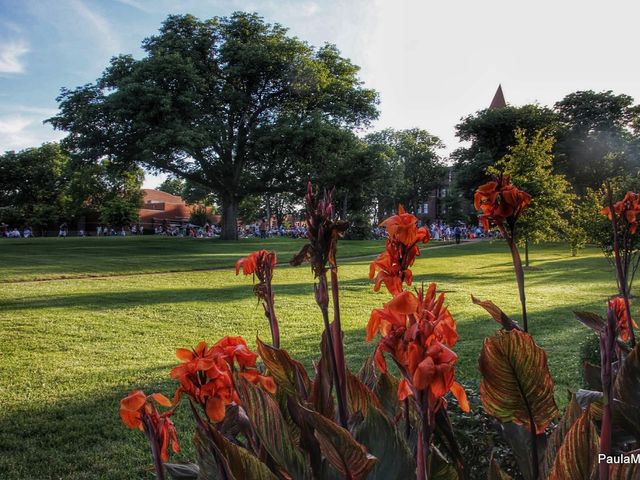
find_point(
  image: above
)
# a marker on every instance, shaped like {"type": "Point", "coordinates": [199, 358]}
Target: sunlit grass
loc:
{"type": "Point", "coordinates": [71, 348]}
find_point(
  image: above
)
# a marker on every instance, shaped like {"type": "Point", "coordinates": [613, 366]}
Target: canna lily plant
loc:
{"type": "Point", "coordinates": [518, 391]}
{"type": "Point", "coordinates": [262, 415]}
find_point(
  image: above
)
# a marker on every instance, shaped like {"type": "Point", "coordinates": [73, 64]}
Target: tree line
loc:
{"type": "Point", "coordinates": [241, 114]}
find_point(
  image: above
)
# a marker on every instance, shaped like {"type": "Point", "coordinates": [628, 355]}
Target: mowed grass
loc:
{"type": "Point", "coordinates": [71, 348]}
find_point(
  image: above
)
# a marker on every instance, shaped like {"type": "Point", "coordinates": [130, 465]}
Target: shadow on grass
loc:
{"type": "Point", "coordinates": [109, 300]}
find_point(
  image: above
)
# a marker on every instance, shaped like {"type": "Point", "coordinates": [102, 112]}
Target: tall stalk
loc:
{"type": "Point", "coordinates": [622, 280]}
{"type": "Point", "coordinates": [517, 266]}
{"type": "Point", "coordinates": [607, 346]}
{"type": "Point", "coordinates": [270, 312]}
{"type": "Point", "coordinates": [338, 342]}
{"type": "Point", "coordinates": [424, 437]}
{"type": "Point", "coordinates": [155, 448]}
{"type": "Point", "coordinates": [322, 299]}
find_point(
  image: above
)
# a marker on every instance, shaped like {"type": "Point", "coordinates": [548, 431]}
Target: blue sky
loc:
{"type": "Point", "coordinates": [432, 62]}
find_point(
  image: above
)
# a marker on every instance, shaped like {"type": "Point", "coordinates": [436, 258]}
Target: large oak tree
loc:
{"type": "Point", "coordinates": [210, 103]}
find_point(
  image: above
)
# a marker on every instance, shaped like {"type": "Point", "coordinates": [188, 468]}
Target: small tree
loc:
{"type": "Point", "coordinates": [119, 212]}
{"type": "Point", "coordinates": [199, 216]}
{"type": "Point", "coordinates": [529, 165]}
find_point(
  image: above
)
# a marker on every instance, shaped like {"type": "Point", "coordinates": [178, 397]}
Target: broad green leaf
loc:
{"type": "Point", "coordinates": [272, 429]}
{"type": "Point", "coordinates": [384, 440]}
{"type": "Point", "coordinates": [497, 314]}
{"type": "Point", "coordinates": [516, 384]}
{"type": "Point", "coordinates": [577, 457]}
{"type": "Point", "coordinates": [235, 460]}
{"type": "Point", "coordinates": [349, 458]}
{"type": "Point", "coordinates": [288, 373]}
{"type": "Point", "coordinates": [627, 389]}
{"type": "Point", "coordinates": [571, 415]}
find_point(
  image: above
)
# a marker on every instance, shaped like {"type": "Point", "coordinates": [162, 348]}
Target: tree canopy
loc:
{"type": "Point", "coordinates": [529, 164]}
{"type": "Point", "coordinates": [599, 137]}
{"type": "Point", "coordinates": [491, 132]}
{"type": "Point", "coordinates": [410, 167]}
{"type": "Point", "coordinates": [213, 101]}
{"type": "Point", "coordinates": [44, 185]}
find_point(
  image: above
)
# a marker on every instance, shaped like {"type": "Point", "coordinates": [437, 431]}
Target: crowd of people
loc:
{"type": "Point", "coordinates": [262, 229]}
{"type": "Point", "coordinates": [439, 231]}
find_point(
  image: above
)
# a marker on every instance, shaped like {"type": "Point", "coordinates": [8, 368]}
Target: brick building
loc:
{"type": "Point", "coordinates": [161, 208]}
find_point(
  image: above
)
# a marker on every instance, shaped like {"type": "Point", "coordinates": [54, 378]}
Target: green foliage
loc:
{"type": "Point", "coordinates": [172, 185]}
{"type": "Point", "coordinates": [529, 165]}
{"type": "Point", "coordinates": [491, 132]}
{"type": "Point", "coordinates": [589, 352]}
{"type": "Point", "coordinates": [598, 137]}
{"type": "Point", "coordinates": [32, 185]}
{"type": "Point", "coordinates": [119, 213]}
{"type": "Point", "coordinates": [201, 79]}
{"type": "Point", "coordinates": [199, 216]}
{"type": "Point", "coordinates": [409, 165]}
{"type": "Point", "coordinates": [42, 186]}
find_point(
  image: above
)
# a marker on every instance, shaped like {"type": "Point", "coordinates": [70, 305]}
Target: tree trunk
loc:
{"type": "Point", "coordinates": [526, 252]}
{"type": "Point", "coordinates": [229, 218]}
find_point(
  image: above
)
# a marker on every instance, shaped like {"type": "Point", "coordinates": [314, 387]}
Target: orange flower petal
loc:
{"type": "Point", "coordinates": [161, 399]}
{"type": "Point", "coordinates": [461, 396]}
{"type": "Point", "coordinates": [404, 390]}
{"type": "Point", "coordinates": [215, 409]}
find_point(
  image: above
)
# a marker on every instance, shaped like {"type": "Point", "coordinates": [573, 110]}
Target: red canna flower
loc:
{"type": "Point", "coordinates": [256, 263]}
{"type": "Point", "coordinates": [500, 202]}
{"type": "Point", "coordinates": [206, 374]}
{"type": "Point", "coordinates": [627, 209]}
{"type": "Point", "coordinates": [261, 264]}
{"type": "Point", "coordinates": [417, 332]}
{"type": "Point", "coordinates": [137, 410]}
{"type": "Point", "coordinates": [400, 253]}
{"type": "Point", "coordinates": [403, 228]}
{"type": "Point", "coordinates": [619, 308]}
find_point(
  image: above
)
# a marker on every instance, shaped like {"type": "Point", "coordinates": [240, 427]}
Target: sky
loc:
{"type": "Point", "coordinates": [433, 62]}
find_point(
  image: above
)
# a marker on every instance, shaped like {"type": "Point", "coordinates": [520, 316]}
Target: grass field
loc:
{"type": "Point", "coordinates": [85, 321]}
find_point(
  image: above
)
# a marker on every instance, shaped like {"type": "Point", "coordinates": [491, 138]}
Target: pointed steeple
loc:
{"type": "Point", "coordinates": [498, 100]}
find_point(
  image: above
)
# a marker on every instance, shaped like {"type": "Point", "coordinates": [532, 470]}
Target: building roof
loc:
{"type": "Point", "coordinates": [156, 196]}
{"type": "Point", "coordinates": [498, 100]}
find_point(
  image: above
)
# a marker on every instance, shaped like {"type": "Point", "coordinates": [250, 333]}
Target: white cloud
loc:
{"type": "Point", "coordinates": [10, 56]}
{"type": "Point", "coordinates": [18, 131]}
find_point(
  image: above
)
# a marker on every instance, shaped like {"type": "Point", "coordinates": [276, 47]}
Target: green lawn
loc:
{"type": "Point", "coordinates": [70, 348]}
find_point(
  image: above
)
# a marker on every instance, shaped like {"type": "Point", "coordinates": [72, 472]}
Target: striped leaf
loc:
{"type": "Point", "coordinates": [272, 429]}
{"type": "Point", "coordinates": [627, 389]}
{"type": "Point", "coordinates": [577, 458]}
{"type": "Point", "coordinates": [516, 384]}
{"type": "Point", "coordinates": [348, 457]}
{"type": "Point", "coordinates": [226, 459]}
{"type": "Point", "coordinates": [289, 374]}
{"type": "Point", "coordinates": [571, 415]}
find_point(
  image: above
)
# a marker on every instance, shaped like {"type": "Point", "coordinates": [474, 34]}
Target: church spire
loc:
{"type": "Point", "coordinates": [498, 100]}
